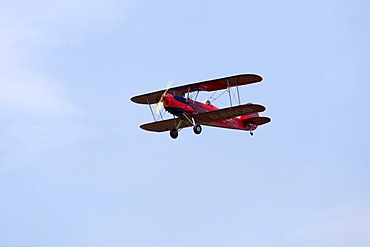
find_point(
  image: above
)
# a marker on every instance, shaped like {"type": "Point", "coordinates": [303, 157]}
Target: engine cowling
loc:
{"type": "Point", "coordinates": [177, 105]}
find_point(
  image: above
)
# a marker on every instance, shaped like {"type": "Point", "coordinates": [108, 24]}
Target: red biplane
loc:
{"type": "Point", "coordinates": [188, 112]}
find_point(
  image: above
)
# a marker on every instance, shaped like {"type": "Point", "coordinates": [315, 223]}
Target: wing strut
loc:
{"type": "Point", "coordinates": [151, 110]}
{"type": "Point", "coordinates": [196, 96]}
{"type": "Point", "coordinates": [188, 92]}
{"type": "Point", "coordinates": [228, 90]}
{"type": "Point", "coordinates": [237, 90]}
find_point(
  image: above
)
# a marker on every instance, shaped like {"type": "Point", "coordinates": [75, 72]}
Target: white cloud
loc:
{"type": "Point", "coordinates": [34, 92]}
{"type": "Point", "coordinates": [28, 26]}
{"type": "Point", "coordinates": [36, 113]}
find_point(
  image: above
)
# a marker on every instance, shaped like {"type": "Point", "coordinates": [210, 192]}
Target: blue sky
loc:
{"type": "Point", "coordinates": [76, 170]}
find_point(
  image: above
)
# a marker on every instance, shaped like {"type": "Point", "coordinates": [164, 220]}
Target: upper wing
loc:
{"type": "Point", "coordinates": [165, 125]}
{"type": "Point", "coordinates": [227, 113]}
{"type": "Point", "coordinates": [211, 85]}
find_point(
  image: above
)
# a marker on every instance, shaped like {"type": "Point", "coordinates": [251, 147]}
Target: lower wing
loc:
{"type": "Point", "coordinates": [165, 125]}
{"type": "Point", "coordinates": [227, 113]}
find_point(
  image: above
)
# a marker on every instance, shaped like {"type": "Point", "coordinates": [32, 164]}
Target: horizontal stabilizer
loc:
{"type": "Point", "coordinates": [256, 121]}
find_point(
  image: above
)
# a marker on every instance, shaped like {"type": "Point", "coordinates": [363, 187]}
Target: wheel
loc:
{"type": "Point", "coordinates": [197, 129]}
{"type": "Point", "coordinates": [251, 133]}
{"type": "Point", "coordinates": [174, 133]}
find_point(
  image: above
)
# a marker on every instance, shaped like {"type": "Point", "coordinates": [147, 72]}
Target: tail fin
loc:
{"type": "Point", "coordinates": [247, 121]}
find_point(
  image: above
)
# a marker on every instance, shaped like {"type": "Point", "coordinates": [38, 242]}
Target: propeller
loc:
{"type": "Point", "coordinates": [160, 103]}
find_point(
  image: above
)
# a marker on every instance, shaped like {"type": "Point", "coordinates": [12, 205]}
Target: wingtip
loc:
{"type": "Point", "coordinates": [133, 99]}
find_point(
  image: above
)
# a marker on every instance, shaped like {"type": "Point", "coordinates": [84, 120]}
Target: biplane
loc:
{"type": "Point", "coordinates": [188, 112]}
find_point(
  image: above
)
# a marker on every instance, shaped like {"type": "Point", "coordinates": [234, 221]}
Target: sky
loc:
{"type": "Point", "coordinates": [76, 169]}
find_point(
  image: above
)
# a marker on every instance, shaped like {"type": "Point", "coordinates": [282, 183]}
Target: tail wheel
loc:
{"type": "Point", "coordinates": [197, 129]}
{"type": "Point", "coordinates": [174, 133]}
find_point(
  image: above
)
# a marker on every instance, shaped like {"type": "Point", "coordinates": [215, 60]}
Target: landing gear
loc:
{"type": "Point", "coordinates": [251, 133]}
{"type": "Point", "coordinates": [174, 133]}
{"type": "Point", "coordinates": [185, 121]}
{"type": "Point", "coordinates": [197, 129]}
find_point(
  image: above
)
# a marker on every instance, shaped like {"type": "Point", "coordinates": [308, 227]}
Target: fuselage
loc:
{"type": "Point", "coordinates": [178, 106]}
